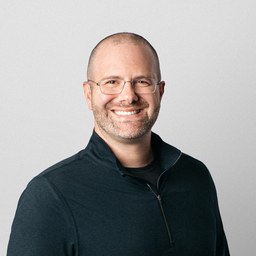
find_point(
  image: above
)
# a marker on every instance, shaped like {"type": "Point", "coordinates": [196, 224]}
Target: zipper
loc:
{"type": "Point", "coordinates": [159, 197]}
{"type": "Point", "coordinates": [162, 209]}
{"type": "Point", "coordinates": [161, 201]}
{"type": "Point", "coordinates": [157, 185]}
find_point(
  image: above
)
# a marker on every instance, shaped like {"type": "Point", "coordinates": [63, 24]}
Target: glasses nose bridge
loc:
{"type": "Point", "coordinates": [127, 81]}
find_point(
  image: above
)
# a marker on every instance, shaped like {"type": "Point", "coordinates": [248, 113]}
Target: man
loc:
{"type": "Point", "coordinates": [127, 192]}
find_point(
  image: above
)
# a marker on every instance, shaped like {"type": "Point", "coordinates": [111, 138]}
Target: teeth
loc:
{"type": "Point", "coordinates": [126, 113]}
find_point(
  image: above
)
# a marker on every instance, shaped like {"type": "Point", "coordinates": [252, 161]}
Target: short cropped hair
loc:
{"type": "Point", "coordinates": [119, 38]}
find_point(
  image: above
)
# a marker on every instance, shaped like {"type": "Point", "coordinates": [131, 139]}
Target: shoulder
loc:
{"type": "Point", "coordinates": [189, 171]}
{"type": "Point", "coordinates": [194, 172]}
{"type": "Point", "coordinates": [62, 165]}
{"type": "Point", "coordinates": [191, 162]}
{"type": "Point", "coordinates": [55, 180]}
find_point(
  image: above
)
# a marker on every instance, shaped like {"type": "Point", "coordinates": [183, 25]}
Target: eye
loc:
{"type": "Point", "coordinates": [111, 82]}
{"type": "Point", "coordinates": [142, 82]}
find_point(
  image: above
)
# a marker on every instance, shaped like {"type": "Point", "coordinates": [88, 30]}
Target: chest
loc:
{"type": "Point", "coordinates": [127, 218]}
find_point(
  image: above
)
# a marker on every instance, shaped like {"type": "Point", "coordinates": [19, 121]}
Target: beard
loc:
{"type": "Point", "coordinates": [128, 129]}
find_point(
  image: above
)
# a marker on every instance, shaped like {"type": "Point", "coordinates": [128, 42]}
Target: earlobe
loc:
{"type": "Point", "coordinates": [88, 94]}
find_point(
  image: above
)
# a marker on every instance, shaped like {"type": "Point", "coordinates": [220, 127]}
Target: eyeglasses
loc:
{"type": "Point", "coordinates": [115, 85]}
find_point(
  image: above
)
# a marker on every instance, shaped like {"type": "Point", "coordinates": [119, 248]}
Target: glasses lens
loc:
{"type": "Point", "coordinates": [111, 86]}
{"type": "Point", "coordinates": [115, 85]}
{"type": "Point", "coordinates": [144, 85]}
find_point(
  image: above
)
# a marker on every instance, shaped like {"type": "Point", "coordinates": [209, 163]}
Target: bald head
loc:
{"type": "Point", "coordinates": [121, 38]}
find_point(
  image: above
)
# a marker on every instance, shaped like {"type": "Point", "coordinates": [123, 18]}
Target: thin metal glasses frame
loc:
{"type": "Point", "coordinates": [98, 84]}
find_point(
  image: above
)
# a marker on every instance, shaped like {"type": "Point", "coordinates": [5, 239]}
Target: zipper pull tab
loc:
{"type": "Point", "coordinates": [159, 199]}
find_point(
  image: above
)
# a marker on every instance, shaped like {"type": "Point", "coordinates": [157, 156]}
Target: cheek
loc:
{"type": "Point", "coordinates": [101, 100]}
{"type": "Point", "coordinates": [153, 100]}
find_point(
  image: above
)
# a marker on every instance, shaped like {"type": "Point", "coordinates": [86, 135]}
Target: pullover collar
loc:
{"type": "Point", "coordinates": [100, 152]}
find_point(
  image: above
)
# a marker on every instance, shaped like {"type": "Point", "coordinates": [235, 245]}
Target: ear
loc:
{"type": "Point", "coordinates": [161, 89]}
{"type": "Point", "coordinates": [88, 94]}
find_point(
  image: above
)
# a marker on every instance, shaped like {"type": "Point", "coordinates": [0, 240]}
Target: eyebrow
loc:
{"type": "Point", "coordinates": [110, 77]}
{"type": "Point", "coordinates": [119, 77]}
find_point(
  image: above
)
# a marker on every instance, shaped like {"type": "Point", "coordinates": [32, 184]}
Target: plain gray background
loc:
{"type": "Point", "coordinates": [208, 61]}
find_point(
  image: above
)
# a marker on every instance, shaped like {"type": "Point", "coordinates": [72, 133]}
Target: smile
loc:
{"type": "Point", "coordinates": [127, 113]}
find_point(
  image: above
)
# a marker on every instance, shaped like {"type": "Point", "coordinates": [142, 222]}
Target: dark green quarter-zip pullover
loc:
{"type": "Point", "coordinates": [88, 205]}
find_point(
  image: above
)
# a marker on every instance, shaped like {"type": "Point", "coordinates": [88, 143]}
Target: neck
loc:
{"type": "Point", "coordinates": [131, 152]}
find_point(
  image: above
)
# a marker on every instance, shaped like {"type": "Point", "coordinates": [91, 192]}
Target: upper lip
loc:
{"type": "Point", "coordinates": [126, 109]}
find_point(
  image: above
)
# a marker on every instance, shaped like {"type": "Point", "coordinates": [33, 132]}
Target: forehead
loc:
{"type": "Point", "coordinates": [124, 58]}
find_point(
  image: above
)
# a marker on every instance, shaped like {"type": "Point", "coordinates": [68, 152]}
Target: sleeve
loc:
{"type": "Point", "coordinates": [221, 243]}
{"type": "Point", "coordinates": [43, 224]}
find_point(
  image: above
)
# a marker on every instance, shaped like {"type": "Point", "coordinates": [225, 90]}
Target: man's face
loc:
{"type": "Point", "coordinates": [126, 115]}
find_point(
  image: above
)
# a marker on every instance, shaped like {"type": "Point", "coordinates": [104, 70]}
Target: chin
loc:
{"type": "Point", "coordinates": [130, 133]}
{"type": "Point", "coordinates": [130, 136]}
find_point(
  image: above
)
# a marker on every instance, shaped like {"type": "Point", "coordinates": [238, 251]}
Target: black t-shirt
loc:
{"type": "Point", "coordinates": [150, 172]}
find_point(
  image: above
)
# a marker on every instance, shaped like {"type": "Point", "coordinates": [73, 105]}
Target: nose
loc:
{"type": "Point", "coordinates": [128, 94]}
